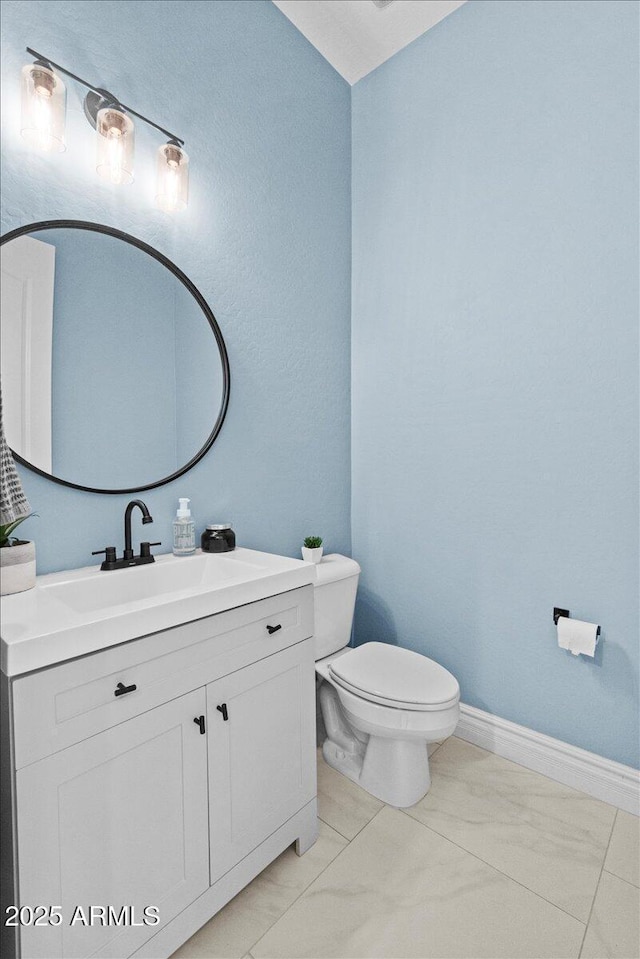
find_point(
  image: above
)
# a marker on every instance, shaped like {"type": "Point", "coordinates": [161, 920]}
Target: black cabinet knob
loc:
{"type": "Point", "coordinates": [274, 629]}
{"type": "Point", "coordinates": [223, 709]}
{"type": "Point", "coordinates": [121, 689]}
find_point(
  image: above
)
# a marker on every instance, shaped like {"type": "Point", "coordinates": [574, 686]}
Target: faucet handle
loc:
{"type": "Point", "coordinates": [145, 548]}
{"type": "Point", "coordinates": [109, 554]}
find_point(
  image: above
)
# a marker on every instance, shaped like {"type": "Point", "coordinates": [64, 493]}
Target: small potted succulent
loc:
{"type": "Point", "coordinates": [312, 549]}
{"type": "Point", "coordinates": [17, 559]}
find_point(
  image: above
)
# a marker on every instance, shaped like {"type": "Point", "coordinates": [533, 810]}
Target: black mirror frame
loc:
{"type": "Point", "coordinates": [184, 279]}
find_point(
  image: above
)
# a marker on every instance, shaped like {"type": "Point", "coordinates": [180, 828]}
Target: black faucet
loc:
{"type": "Point", "coordinates": [146, 518]}
{"type": "Point", "coordinates": [128, 558]}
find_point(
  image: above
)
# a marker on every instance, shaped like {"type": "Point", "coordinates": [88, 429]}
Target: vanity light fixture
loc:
{"type": "Point", "coordinates": [172, 177]}
{"type": "Point", "coordinates": [115, 144]}
{"type": "Point", "coordinates": [43, 110]}
{"type": "Point", "coordinates": [43, 100]}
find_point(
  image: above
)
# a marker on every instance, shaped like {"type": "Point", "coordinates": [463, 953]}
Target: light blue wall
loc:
{"type": "Point", "coordinates": [495, 361]}
{"type": "Point", "coordinates": [266, 238]}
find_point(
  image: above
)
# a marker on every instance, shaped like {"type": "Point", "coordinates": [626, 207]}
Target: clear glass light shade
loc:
{"type": "Point", "coordinates": [43, 103]}
{"type": "Point", "coordinates": [116, 146]}
{"type": "Point", "coordinates": [172, 178]}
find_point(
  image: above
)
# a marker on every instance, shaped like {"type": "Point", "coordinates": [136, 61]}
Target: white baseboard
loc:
{"type": "Point", "coordinates": [602, 778]}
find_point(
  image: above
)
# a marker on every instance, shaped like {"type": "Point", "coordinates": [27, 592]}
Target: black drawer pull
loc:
{"type": "Point", "coordinates": [199, 721]}
{"type": "Point", "coordinates": [121, 689]}
{"type": "Point", "coordinates": [274, 629]}
{"type": "Point", "coordinates": [223, 709]}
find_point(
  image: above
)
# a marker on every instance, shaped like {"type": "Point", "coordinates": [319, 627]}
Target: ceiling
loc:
{"type": "Point", "coordinates": [356, 36]}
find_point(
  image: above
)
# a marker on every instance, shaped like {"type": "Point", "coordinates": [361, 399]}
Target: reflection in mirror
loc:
{"type": "Point", "coordinates": [113, 377]}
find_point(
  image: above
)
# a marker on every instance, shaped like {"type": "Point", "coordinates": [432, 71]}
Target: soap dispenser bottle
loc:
{"type": "Point", "coordinates": [184, 531]}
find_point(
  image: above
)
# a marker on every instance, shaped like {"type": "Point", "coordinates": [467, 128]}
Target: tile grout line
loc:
{"type": "Point", "coordinates": [495, 868]}
{"type": "Point", "coordinates": [359, 830]}
{"type": "Point", "coordinates": [620, 879]}
{"type": "Point", "coordinates": [315, 879]}
{"type": "Point", "coordinates": [593, 902]}
{"type": "Point", "coordinates": [377, 813]}
{"type": "Point", "coordinates": [334, 828]}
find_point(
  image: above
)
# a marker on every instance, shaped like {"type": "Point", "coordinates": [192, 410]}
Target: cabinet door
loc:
{"type": "Point", "coordinates": [262, 755]}
{"type": "Point", "coordinates": [117, 820]}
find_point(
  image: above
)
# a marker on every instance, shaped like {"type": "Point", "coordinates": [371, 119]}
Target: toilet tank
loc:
{"type": "Point", "coordinates": [334, 601]}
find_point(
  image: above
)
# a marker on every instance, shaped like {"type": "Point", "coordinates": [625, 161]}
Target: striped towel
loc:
{"type": "Point", "coordinates": [13, 502]}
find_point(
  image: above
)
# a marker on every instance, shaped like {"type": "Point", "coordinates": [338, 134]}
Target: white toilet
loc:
{"type": "Point", "coordinates": [381, 704]}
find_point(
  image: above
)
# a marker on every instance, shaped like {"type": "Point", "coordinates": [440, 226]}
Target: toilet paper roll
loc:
{"type": "Point", "coordinates": [577, 636]}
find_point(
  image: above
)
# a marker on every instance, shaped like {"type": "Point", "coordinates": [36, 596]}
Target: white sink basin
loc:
{"type": "Point", "coordinates": [78, 612]}
{"type": "Point", "coordinates": [167, 578]}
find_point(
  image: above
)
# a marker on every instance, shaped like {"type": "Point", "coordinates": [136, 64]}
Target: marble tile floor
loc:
{"type": "Point", "coordinates": [495, 861]}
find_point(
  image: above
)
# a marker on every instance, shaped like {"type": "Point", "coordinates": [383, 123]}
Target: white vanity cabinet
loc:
{"type": "Point", "coordinates": [261, 769]}
{"type": "Point", "coordinates": [163, 772]}
{"type": "Point", "coordinates": [116, 819]}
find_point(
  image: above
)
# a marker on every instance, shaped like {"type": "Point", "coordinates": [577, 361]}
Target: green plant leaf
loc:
{"type": "Point", "coordinates": [6, 529]}
{"type": "Point", "coordinates": [313, 542]}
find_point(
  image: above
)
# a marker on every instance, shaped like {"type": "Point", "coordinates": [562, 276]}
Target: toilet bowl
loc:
{"type": "Point", "coordinates": [380, 704]}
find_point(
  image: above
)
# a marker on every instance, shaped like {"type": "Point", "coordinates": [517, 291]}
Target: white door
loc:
{"type": "Point", "coordinates": [26, 324]}
{"type": "Point", "coordinates": [118, 820]}
{"type": "Point", "coordinates": [262, 767]}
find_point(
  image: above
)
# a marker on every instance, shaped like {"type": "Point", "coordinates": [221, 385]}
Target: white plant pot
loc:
{"type": "Point", "coordinates": [312, 555]}
{"type": "Point", "coordinates": [17, 568]}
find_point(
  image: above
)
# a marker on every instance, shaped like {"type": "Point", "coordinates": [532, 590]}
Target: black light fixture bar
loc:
{"type": "Point", "coordinates": [101, 92]}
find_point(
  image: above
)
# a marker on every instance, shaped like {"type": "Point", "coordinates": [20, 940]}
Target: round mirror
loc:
{"type": "Point", "coordinates": [115, 376]}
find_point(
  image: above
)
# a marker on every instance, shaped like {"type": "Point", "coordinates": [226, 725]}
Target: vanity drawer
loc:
{"type": "Point", "coordinates": [65, 704]}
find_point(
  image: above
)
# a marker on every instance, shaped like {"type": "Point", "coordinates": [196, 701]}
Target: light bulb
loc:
{"type": "Point", "coordinates": [43, 102]}
{"type": "Point", "coordinates": [172, 179]}
{"type": "Point", "coordinates": [115, 145]}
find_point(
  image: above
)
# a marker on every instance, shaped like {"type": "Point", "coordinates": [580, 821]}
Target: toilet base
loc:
{"type": "Point", "coordinates": [396, 771]}
{"type": "Point", "coordinates": [410, 759]}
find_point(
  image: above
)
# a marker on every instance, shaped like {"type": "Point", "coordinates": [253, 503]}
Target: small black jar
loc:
{"type": "Point", "coordinates": [218, 538]}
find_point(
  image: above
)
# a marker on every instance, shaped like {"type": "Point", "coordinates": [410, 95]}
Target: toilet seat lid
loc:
{"type": "Point", "coordinates": [396, 677]}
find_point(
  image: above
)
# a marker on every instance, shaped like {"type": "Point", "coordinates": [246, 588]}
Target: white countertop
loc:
{"type": "Point", "coordinates": [81, 611]}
